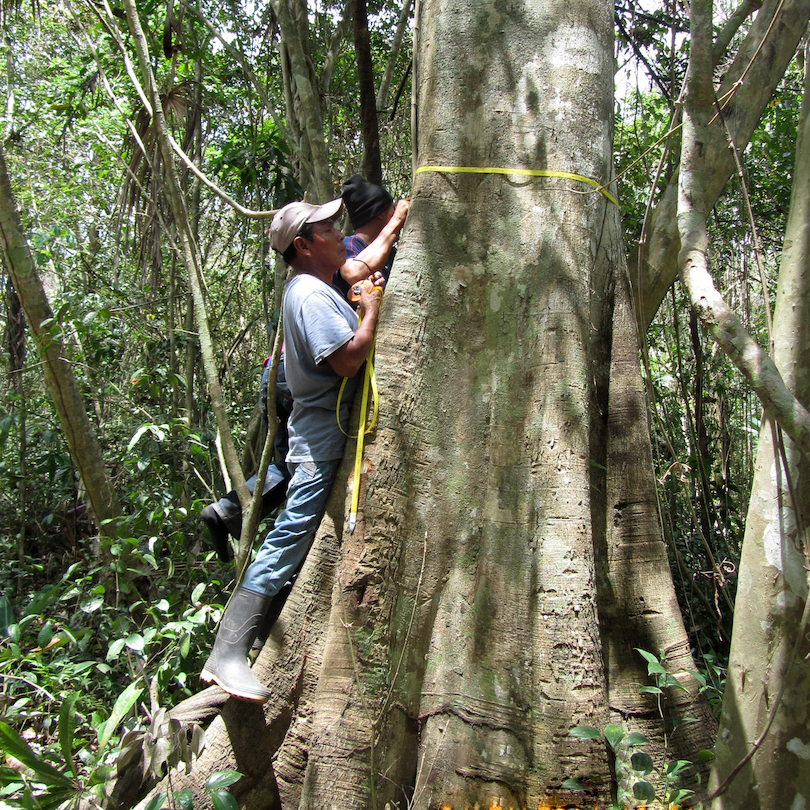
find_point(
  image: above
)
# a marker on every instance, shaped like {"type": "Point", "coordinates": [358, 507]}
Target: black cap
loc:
{"type": "Point", "coordinates": [364, 200]}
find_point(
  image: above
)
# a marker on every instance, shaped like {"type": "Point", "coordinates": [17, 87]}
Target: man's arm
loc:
{"type": "Point", "coordinates": [347, 360]}
{"type": "Point", "coordinates": [372, 259]}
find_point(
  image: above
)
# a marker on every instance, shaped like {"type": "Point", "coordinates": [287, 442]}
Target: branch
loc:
{"type": "Point", "coordinates": [189, 254]}
{"type": "Point", "coordinates": [396, 45]}
{"type": "Point", "coordinates": [779, 26]}
{"type": "Point", "coordinates": [731, 26]}
{"type": "Point", "coordinates": [726, 328]}
{"type": "Point", "coordinates": [189, 163]}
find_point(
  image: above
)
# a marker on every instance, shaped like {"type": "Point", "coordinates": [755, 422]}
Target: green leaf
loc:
{"type": "Point", "coordinates": [67, 728]}
{"type": "Point", "coordinates": [634, 738]}
{"type": "Point", "coordinates": [136, 438]}
{"type": "Point", "coordinates": [185, 799]}
{"type": "Point", "coordinates": [197, 593]}
{"type": "Point", "coordinates": [648, 656]}
{"type": "Point", "coordinates": [614, 734]}
{"type": "Point", "coordinates": [641, 761]}
{"type": "Point", "coordinates": [156, 802]}
{"type": "Point", "coordinates": [705, 755]}
{"type": "Point", "coordinates": [135, 642]}
{"type": "Point", "coordinates": [122, 706]}
{"type": "Point", "coordinates": [680, 797]}
{"type": "Point", "coordinates": [92, 604]}
{"type": "Point", "coordinates": [12, 743]}
{"type": "Point", "coordinates": [651, 690]}
{"type": "Point", "coordinates": [644, 792]}
{"type": "Point", "coordinates": [45, 635]}
{"type": "Point", "coordinates": [573, 784]}
{"type": "Point", "coordinates": [585, 733]}
{"type": "Point", "coordinates": [222, 800]}
{"type": "Point", "coordinates": [114, 650]}
{"type": "Point", "coordinates": [6, 614]}
{"type": "Point", "coordinates": [222, 779]}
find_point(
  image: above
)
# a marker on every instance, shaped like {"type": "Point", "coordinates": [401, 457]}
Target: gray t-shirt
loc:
{"type": "Point", "coordinates": [317, 322]}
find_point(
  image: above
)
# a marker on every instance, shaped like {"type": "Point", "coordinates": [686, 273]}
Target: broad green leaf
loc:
{"type": "Point", "coordinates": [585, 733]}
{"type": "Point", "coordinates": [114, 650]}
{"type": "Point", "coordinates": [614, 734]}
{"type": "Point", "coordinates": [92, 604]}
{"type": "Point", "coordinates": [222, 800]}
{"type": "Point", "coordinates": [15, 745]}
{"type": "Point", "coordinates": [136, 438]}
{"type": "Point", "coordinates": [573, 784]}
{"type": "Point", "coordinates": [67, 727]}
{"type": "Point", "coordinates": [197, 593]}
{"type": "Point", "coordinates": [651, 690]}
{"type": "Point", "coordinates": [641, 761]}
{"type": "Point", "coordinates": [122, 706]}
{"type": "Point", "coordinates": [135, 642]}
{"type": "Point", "coordinates": [648, 656]}
{"type": "Point", "coordinates": [222, 780]}
{"type": "Point", "coordinates": [45, 635]}
{"type": "Point", "coordinates": [644, 791]}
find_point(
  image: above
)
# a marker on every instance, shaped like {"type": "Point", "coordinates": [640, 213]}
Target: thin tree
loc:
{"type": "Point", "coordinates": [61, 382]}
{"type": "Point", "coordinates": [762, 743]}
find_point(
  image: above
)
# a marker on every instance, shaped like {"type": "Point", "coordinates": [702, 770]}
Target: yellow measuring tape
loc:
{"type": "Point", "coordinates": [369, 386]}
{"type": "Point", "coordinates": [523, 172]}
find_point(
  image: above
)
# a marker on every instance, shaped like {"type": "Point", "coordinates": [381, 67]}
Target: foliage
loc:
{"type": "Point", "coordinates": [639, 780]}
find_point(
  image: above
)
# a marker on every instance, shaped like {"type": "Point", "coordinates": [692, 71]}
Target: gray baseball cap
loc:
{"type": "Point", "coordinates": [290, 219]}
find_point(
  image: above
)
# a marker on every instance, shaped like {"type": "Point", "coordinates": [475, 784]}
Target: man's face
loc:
{"type": "Point", "coordinates": [326, 248]}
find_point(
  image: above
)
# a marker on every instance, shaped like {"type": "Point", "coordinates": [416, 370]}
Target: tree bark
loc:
{"type": "Point", "coordinates": [768, 686]}
{"type": "Point", "coordinates": [64, 390]}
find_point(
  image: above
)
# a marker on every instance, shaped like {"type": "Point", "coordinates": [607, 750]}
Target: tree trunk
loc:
{"type": "Point", "coordinates": [304, 106]}
{"type": "Point", "coordinates": [509, 557]}
{"type": "Point", "coordinates": [372, 167]}
{"type": "Point", "coordinates": [768, 686]}
{"type": "Point", "coordinates": [64, 390]}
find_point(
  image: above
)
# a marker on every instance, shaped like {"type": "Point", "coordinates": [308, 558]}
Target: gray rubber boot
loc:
{"type": "Point", "coordinates": [227, 666]}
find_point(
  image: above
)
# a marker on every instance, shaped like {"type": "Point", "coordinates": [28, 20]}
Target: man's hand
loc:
{"type": "Point", "coordinates": [373, 257]}
{"type": "Point", "coordinates": [376, 281]}
{"type": "Point", "coordinates": [347, 360]}
{"type": "Point", "coordinates": [370, 296]}
{"type": "Point", "coordinates": [400, 214]}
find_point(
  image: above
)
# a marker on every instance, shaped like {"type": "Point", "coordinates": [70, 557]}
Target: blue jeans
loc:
{"type": "Point", "coordinates": [287, 544]}
{"type": "Point", "coordinates": [275, 485]}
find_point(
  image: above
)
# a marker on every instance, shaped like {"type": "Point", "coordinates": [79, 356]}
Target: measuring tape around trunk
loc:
{"type": "Point", "coordinates": [369, 387]}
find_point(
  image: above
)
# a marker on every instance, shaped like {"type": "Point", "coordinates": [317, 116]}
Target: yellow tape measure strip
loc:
{"type": "Point", "coordinates": [523, 172]}
{"type": "Point", "coordinates": [369, 384]}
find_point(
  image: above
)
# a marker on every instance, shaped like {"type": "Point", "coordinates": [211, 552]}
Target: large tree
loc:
{"type": "Point", "coordinates": [509, 558]}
